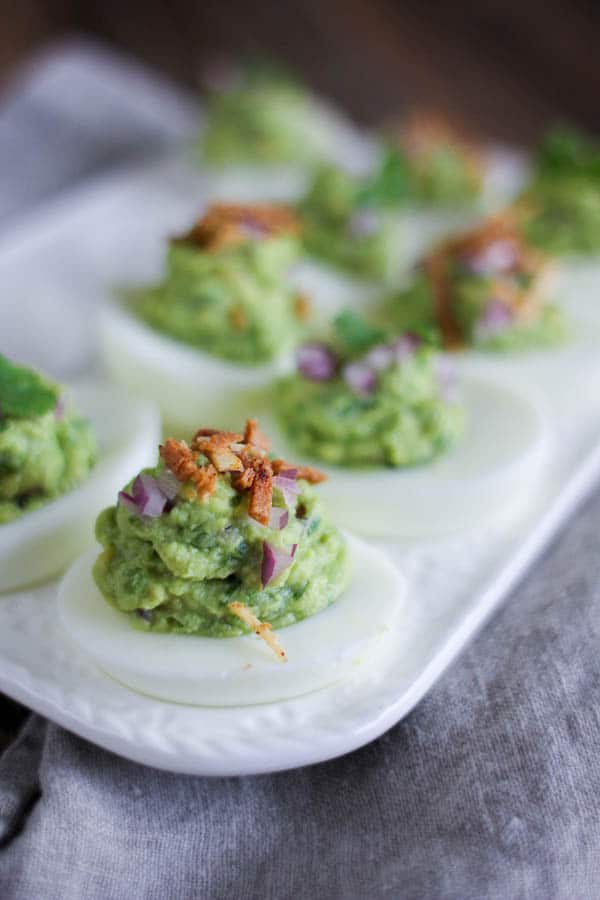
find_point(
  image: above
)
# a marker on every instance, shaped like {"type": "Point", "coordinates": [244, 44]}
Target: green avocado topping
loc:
{"type": "Point", "coordinates": [23, 392]}
{"type": "Point", "coordinates": [46, 449]}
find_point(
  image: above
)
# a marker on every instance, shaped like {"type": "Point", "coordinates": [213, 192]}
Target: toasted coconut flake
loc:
{"type": "Point", "coordinates": [261, 629]}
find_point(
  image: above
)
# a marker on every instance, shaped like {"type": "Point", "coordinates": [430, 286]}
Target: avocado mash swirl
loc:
{"type": "Point", "coordinates": [485, 289]}
{"type": "Point", "coordinates": [216, 526]}
{"type": "Point", "coordinates": [561, 205]}
{"type": "Point", "coordinates": [390, 406]}
{"type": "Point", "coordinates": [262, 116]}
{"type": "Point", "coordinates": [342, 227]}
{"type": "Point", "coordinates": [45, 447]}
{"type": "Point", "coordinates": [224, 290]}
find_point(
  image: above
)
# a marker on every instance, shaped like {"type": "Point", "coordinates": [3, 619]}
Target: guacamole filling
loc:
{"type": "Point", "coordinates": [225, 291]}
{"type": "Point", "coordinates": [561, 205]}
{"type": "Point", "coordinates": [342, 225]}
{"type": "Point", "coordinates": [262, 117]}
{"type": "Point", "coordinates": [218, 528]}
{"type": "Point", "coordinates": [46, 448]}
{"type": "Point", "coordinates": [393, 405]}
{"type": "Point", "coordinates": [428, 163]}
{"type": "Point", "coordinates": [485, 289]}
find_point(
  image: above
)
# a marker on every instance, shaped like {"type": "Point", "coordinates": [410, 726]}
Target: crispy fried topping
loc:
{"type": "Point", "coordinates": [243, 456]}
{"type": "Point", "coordinates": [425, 131]}
{"type": "Point", "coordinates": [253, 435]}
{"type": "Point", "coordinates": [500, 229]}
{"type": "Point", "coordinates": [229, 224]}
{"type": "Point", "coordinates": [302, 307]}
{"type": "Point", "coordinates": [306, 473]}
{"type": "Point", "coordinates": [261, 493]}
{"type": "Point", "coordinates": [261, 629]}
{"type": "Point", "coordinates": [181, 460]}
{"type": "Point", "coordinates": [238, 318]}
{"type": "Point", "coordinates": [217, 448]}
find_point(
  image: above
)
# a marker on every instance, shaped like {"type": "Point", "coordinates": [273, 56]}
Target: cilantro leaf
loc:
{"type": "Point", "coordinates": [565, 151]}
{"type": "Point", "coordinates": [355, 333]}
{"type": "Point", "coordinates": [390, 185]}
{"type": "Point", "coordinates": [23, 393]}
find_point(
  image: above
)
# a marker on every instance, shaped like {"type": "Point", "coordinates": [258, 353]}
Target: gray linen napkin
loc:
{"type": "Point", "coordinates": [489, 789]}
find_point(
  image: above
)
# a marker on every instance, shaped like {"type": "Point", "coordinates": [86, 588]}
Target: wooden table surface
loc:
{"type": "Point", "coordinates": [505, 68]}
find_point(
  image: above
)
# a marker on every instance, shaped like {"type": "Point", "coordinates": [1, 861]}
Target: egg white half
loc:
{"type": "Point", "coordinates": [349, 638]}
{"type": "Point", "coordinates": [42, 542]}
{"type": "Point", "coordinates": [191, 387]}
{"type": "Point", "coordinates": [492, 471]}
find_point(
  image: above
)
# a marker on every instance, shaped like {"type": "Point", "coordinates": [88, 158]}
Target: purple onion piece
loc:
{"type": "Point", "coordinates": [360, 378]}
{"type": "Point", "coordinates": [406, 346]}
{"type": "Point", "coordinates": [252, 229]}
{"type": "Point", "coordinates": [496, 318]}
{"type": "Point", "coordinates": [145, 614]}
{"type": "Point", "coordinates": [275, 560]}
{"type": "Point", "coordinates": [499, 256]}
{"type": "Point", "coordinates": [316, 362]}
{"type": "Point", "coordinates": [149, 498]}
{"type": "Point", "coordinates": [380, 357]}
{"type": "Point", "coordinates": [279, 518]}
{"type": "Point", "coordinates": [168, 484]}
{"type": "Point", "coordinates": [126, 500]}
{"type": "Point", "coordinates": [288, 486]}
{"type": "Point", "coordinates": [60, 408]}
{"type": "Point", "coordinates": [364, 223]}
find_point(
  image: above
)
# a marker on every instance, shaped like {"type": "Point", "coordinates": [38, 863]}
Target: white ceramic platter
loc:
{"type": "Point", "coordinates": [55, 269]}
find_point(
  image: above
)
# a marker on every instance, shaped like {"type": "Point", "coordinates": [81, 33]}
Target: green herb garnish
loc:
{"type": "Point", "coordinates": [23, 393]}
{"type": "Point", "coordinates": [390, 185]}
{"type": "Point", "coordinates": [355, 333]}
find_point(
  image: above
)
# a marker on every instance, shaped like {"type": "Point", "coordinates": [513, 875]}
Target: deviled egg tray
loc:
{"type": "Point", "coordinates": [58, 268]}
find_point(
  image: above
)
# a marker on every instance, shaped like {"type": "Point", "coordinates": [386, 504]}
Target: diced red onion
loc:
{"type": "Point", "coordinates": [145, 614]}
{"type": "Point", "coordinates": [364, 223]}
{"type": "Point", "coordinates": [380, 357]}
{"type": "Point", "coordinates": [275, 560]}
{"type": "Point", "coordinates": [316, 362]}
{"type": "Point", "coordinates": [252, 229]}
{"type": "Point", "coordinates": [496, 318]}
{"type": "Point", "coordinates": [149, 498]}
{"type": "Point", "coordinates": [499, 256]}
{"type": "Point", "coordinates": [360, 378]}
{"type": "Point", "coordinates": [447, 377]}
{"type": "Point", "coordinates": [126, 500]}
{"type": "Point", "coordinates": [279, 518]}
{"type": "Point", "coordinates": [169, 484]}
{"type": "Point", "coordinates": [59, 409]}
{"type": "Point", "coordinates": [288, 486]}
{"type": "Point", "coordinates": [406, 345]}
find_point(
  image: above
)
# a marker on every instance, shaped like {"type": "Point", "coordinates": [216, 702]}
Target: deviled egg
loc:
{"type": "Point", "coordinates": [561, 204]}
{"type": "Point", "coordinates": [487, 288]}
{"type": "Point", "coordinates": [264, 131]}
{"type": "Point", "coordinates": [408, 451]}
{"type": "Point", "coordinates": [62, 450]}
{"type": "Point", "coordinates": [219, 324]}
{"type": "Point", "coordinates": [212, 550]}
